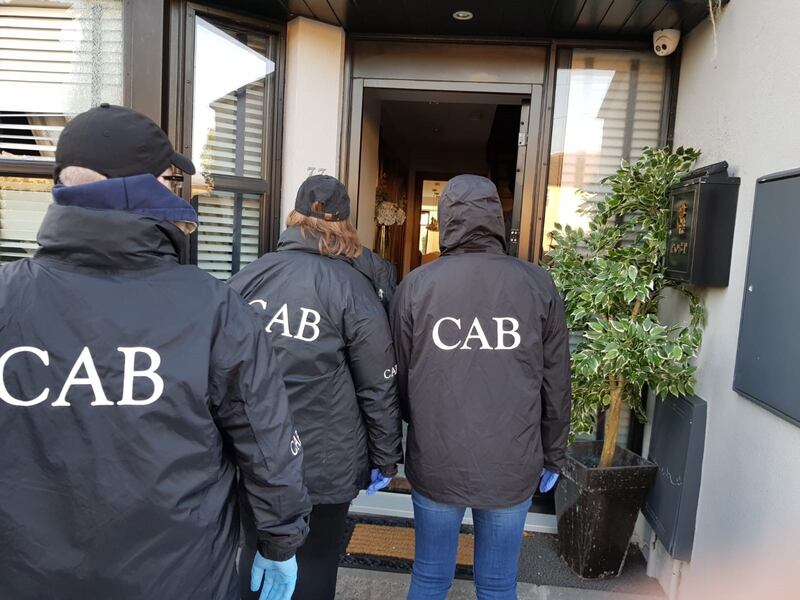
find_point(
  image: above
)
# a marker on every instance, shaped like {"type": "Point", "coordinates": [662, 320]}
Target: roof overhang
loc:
{"type": "Point", "coordinates": [628, 20]}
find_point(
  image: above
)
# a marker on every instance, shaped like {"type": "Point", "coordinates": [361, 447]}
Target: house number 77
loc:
{"type": "Point", "coordinates": [315, 171]}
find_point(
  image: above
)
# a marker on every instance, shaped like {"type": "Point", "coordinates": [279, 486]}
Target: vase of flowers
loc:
{"type": "Point", "coordinates": [388, 214]}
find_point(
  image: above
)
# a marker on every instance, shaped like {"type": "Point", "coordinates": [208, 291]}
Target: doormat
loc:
{"type": "Point", "coordinates": [386, 541]}
{"type": "Point", "coordinates": [387, 544]}
{"type": "Point", "coordinates": [399, 485]}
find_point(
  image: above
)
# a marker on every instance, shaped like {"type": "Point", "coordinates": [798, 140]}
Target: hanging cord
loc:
{"type": "Point", "coordinates": [714, 9]}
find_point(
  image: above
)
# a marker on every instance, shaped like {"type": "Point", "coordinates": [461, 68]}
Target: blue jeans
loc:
{"type": "Point", "coordinates": [498, 538]}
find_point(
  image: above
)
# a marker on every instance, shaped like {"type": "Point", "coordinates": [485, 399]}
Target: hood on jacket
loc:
{"type": "Point", "coordinates": [139, 194]}
{"type": "Point", "coordinates": [115, 223]}
{"type": "Point", "coordinates": [471, 217]}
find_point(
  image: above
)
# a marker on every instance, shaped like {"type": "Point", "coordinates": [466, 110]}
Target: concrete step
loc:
{"type": "Point", "coordinates": [363, 584]}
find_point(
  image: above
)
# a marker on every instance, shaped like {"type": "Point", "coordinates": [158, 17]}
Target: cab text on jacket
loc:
{"type": "Point", "coordinates": [448, 329]}
{"type": "Point", "coordinates": [310, 319]}
{"type": "Point", "coordinates": [85, 362]}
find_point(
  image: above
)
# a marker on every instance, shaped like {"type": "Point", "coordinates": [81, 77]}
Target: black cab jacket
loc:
{"type": "Point", "coordinates": [483, 361]}
{"type": "Point", "coordinates": [334, 348]}
{"type": "Point", "coordinates": [132, 388]}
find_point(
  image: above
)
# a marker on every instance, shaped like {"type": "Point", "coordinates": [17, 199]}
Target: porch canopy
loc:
{"type": "Point", "coordinates": [633, 20]}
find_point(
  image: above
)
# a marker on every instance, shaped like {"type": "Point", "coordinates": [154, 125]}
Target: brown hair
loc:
{"type": "Point", "coordinates": [335, 237]}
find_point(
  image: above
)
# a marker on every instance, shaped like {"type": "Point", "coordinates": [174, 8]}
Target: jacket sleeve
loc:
{"type": "Point", "coordinates": [371, 359]}
{"type": "Point", "coordinates": [401, 320]}
{"type": "Point", "coordinates": [556, 385]}
{"type": "Point", "coordinates": [251, 410]}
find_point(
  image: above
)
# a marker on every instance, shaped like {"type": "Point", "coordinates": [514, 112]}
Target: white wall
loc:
{"type": "Point", "coordinates": [313, 103]}
{"type": "Point", "coordinates": [742, 106]}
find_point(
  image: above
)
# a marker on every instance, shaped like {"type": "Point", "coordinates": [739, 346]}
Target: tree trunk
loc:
{"type": "Point", "coordinates": [612, 423]}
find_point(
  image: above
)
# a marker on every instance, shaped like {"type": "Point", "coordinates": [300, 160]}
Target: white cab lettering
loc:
{"type": "Point", "coordinates": [282, 317]}
{"type": "Point", "coordinates": [508, 336]}
{"type": "Point", "coordinates": [130, 373]}
{"type": "Point", "coordinates": [476, 333]}
{"type": "Point", "coordinates": [306, 322]}
{"type": "Point", "coordinates": [436, 337]}
{"type": "Point", "coordinates": [502, 332]}
{"type": "Point", "coordinates": [4, 393]}
{"type": "Point", "coordinates": [92, 379]}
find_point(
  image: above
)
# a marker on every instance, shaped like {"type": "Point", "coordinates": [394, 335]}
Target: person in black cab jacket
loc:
{"type": "Point", "coordinates": [484, 378]}
{"type": "Point", "coordinates": [132, 388]}
{"type": "Point", "coordinates": [381, 273]}
{"type": "Point", "coordinates": [334, 349]}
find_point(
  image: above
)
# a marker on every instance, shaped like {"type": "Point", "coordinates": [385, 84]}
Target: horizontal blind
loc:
{"type": "Point", "coordinates": [56, 59]}
{"type": "Point", "coordinates": [23, 204]}
{"type": "Point", "coordinates": [219, 153]}
{"type": "Point", "coordinates": [216, 242]}
{"type": "Point", "coordinates": [630, 116]}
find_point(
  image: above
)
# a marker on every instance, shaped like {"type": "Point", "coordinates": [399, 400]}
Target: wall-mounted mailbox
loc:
{"type": "Point", "coordinates": [702, 216]}
{"type": "Point", "coordinates": [676, 446]}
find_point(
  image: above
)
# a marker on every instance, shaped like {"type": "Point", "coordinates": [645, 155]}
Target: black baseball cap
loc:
{"type": "Point", "coordinates": [323, 197]}
{"type": "Point", "coordinates": [116, 141]}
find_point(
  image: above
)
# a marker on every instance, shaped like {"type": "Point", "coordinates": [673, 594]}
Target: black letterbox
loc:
{"type": "Point", "coordinates": [702, 216]}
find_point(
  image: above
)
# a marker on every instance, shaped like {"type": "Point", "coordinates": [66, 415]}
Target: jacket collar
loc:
{"type": "Point", "coordinates": [108, 239]}
{"type": "Point", "coordinates": [139, 194]}
{"type": "Point", "coordinates": [122, 223]}
{"type": "Point", "coordinates": [293, 239]}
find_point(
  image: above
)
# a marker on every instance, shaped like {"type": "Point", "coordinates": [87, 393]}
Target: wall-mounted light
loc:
{"type": "Point", "coordinates": [462, 15]}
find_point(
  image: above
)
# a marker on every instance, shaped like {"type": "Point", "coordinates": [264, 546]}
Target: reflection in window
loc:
{"type": "Point", "coordinates": [234, 80]}
{"type": "Point", "coordinates": [607, 107]}
{"type": "Point", "coordinates": [57, 59]}
{"type": "Point", "coordinates": [23, 203]}
{"type": "Point", "coordinates": [230, 74]}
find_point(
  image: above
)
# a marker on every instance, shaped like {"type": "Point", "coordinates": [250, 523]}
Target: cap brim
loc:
{"type": "Point", "coordinates": [183, 163]}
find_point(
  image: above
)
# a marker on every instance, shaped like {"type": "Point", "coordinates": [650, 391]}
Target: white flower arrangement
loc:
{"type": "Point", "coordinates": [389, 213]}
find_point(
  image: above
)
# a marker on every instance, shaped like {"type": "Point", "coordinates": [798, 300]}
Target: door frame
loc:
{"type": "Point", "coordinates": [397, 504]}
{"type": "Point", "coordinates": [531, 175]}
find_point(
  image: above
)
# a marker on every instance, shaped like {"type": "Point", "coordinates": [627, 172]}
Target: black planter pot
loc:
{"type": "Point", "coordinates": [597, 508]}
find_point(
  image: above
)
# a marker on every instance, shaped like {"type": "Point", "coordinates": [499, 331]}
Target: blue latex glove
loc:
{"type": "Point", "coordinates": [547, 481]}
{"type": "Point", "coordinates": [378, 482]}
{"type": "Point", "coordinates": [276, 579]}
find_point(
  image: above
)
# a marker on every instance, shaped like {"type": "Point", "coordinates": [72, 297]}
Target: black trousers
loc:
{"type": "Point", "coordinates": [317, 559]}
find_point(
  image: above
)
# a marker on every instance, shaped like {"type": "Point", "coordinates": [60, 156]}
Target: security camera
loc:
{"type": "Point", "coordinates": [665, 41]}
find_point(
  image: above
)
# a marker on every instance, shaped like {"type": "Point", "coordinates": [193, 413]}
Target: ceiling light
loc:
{"type": "Point", "coordinates": [462, 15]}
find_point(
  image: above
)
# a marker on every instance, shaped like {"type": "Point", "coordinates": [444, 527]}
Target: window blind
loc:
{"type": "Point", "coordinates": [219, 239]}
{"type": "Point", "coordinates": [23, 203]}
{"type": "Point", "coordinates": [56, 59]}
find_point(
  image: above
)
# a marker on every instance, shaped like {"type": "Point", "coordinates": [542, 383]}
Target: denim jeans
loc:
{"type": "Point", "coordinates": [498, 538]}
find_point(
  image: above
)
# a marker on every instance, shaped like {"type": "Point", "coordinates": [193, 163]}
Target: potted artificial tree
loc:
{"type": "Point", "coordinates": [612, 278]}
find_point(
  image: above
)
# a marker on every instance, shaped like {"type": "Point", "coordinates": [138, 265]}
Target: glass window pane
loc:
{"type": "Point", "coordinates": [227, 238]}
{"type": "Point", "coordinates": [23, 203]}
{"type": "Point", "coordinates": [607, 107]}
{"type": "Point", "coordinates": [231, 71]}
{"type": "Point", "coordinates": [57, 59]}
